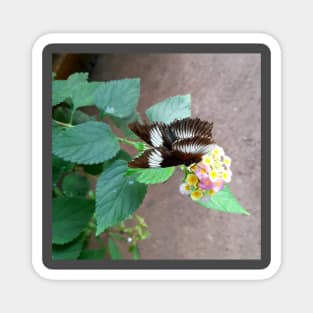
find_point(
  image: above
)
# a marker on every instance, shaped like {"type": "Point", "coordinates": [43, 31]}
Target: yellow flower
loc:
{"type": "Point", "coordinates": [213, 176]}
{"type": "Point", "coordinates": [196, 195]}
{"type": "Point", "coordinates": [217, 152]}
{"type": "Point", "coordinates": [192, 179]}
{"type": "Point", "coordinates": [227, 161]}
{"type": "Point", "coordinates": [226, 175]}
{"type": "Point", "coordinates": [207, 160]}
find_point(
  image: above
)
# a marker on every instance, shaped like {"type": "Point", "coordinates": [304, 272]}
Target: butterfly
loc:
{"type": "Point", "coordinates": [182, 141]}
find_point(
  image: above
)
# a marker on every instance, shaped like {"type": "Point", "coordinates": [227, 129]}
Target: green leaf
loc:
{"type": "Point", "coordinates": [75, 185]}
{"type": "Point", "coordinates": [152, 175]}
{"type": "Point", "coordinates": [69, 218]}
{"type": "Point", "coordinates": [63, 114]}
{"type": "Point", "coordinates": [84, 94]}
{"type": "Point", "coordinates": [96, 169]}
{"type": "Point", "coordinates": [121, 155]}
{"type": "Point", "coordinates": [68, 251]}
{"type": "Point", "coordinates": [177, 107]}
{"type": "Point", "coordinates": [118, 97]}
{"type": "Point", "coordinates": [62, 89]}
{"type": "Point", "coordinates": [114, 251]}
{"type": "Point", "coordinates": [117, 196]}
{"type": "Point", "coordinates": [122, 123]}
{"type": "Point", "coordinates": [77, 78]}
{"type": "Point", "coordinates": [56, 129]}
{"type": "Point", "coordinates": [59, 91]}
{"type": "Point", "coordinates": [88, 143]}
{"type": "Point", "coordinates": [224, 201]}
{"type": "Point", "coordinates": [92, 254]}
{"type": "Point", "coordinates": [135, 252]}
{"type": "Point", "coordinates": [59, 167]}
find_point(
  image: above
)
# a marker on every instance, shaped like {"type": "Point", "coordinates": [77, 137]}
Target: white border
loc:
{"type": "Point", "coordinates": [132, 274]}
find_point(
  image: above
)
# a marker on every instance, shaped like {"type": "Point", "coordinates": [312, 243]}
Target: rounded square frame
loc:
{"type": "Point", "coordinates": [274, 240]}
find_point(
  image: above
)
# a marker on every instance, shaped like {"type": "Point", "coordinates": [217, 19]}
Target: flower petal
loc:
{"type": "Point", "coordinates": [196, 195]}
{"type": "Point", "coordinates": [184, 189]}
{"type": "Point", "coordinates": [192, 179]}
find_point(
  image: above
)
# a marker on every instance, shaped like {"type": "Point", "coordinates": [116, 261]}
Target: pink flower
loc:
{"type": "Point", "coordinates": [218, 185]}
{"type": "Point", "coordinates": [205, 183]}
{"type": "Point", "coordinates": [201, 172]}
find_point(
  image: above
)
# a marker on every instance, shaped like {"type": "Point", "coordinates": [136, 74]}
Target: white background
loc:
{"type": "Point", "coordinates": [23, 22]}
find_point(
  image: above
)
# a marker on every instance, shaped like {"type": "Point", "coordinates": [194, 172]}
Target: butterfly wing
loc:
{"type": "Point", "coordinates": [155, 134]}
{"type": "Point", "coordinates": [191, 150]}
{"type": "Point", "coordinates": [159, 134]}
{"type": "Point", "coordinates": [191, 128]}
{"type": "Point", "coordinates": [156, 158]}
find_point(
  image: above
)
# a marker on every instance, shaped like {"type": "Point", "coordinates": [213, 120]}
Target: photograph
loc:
{"type": "Point", "coordinates": [155, 156]}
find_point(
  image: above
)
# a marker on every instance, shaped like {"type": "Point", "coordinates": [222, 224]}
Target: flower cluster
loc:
{"type": "Point", "coordinates": [207, 177]}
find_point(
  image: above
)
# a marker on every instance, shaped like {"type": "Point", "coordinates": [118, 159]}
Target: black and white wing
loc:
{"type": "Point", "coordinates": [191, 150]}
{"type": "Point", "coordinates": [159, 134]}
{"type": "Point", "coordinates": [191, 128]}
{"type": "Point", "coordinates": [151, 158]}
{"type": "Point", "coordinates": [156, 134]}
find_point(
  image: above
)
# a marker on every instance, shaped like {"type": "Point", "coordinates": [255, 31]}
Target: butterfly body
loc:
{"type": "Point", "coordinates": [180, 142]}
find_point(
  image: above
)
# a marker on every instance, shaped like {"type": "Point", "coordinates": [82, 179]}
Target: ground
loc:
{"type": "Point", "coordinates": [225, 89]}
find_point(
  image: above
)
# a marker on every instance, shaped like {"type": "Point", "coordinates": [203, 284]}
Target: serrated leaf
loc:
{"type": "Point", "coordinates": [77, 78]}
{"type": "Point", "coordinates": [92, 254]}
{"type": "Point", "coordinates": [75, 185]}
{"type": "Point", "coordinates": [68, 251]}
{"type": "Point", "coordinates": [152, 175]}
{"type": "Point", "coordinates": [63, 114]}
{"type": "Point", "coordinates": [69, 217]}
{"type": "Point", "coordinates": [96, 169]}
{"type": "Point", "coordinates": [62, 89]}
{"type": "Point", "coordinates": [224, 201]}
{"type": "Point", "coordinates": [166, 111]}
{"type": "Point", "coordinates": [88, 143]}
{"type": "Point", "coordinates": [114, 250]}
{"type": "Point", "coordinates": [84, 95]}
{"type": "Point", "coordinates": [59, 91]}
{"type": "Point", "coordinates": [118, 97]}
{"type": "Point", "coordinates": [117, 196]}
{"type": "Point", "coordinates": [59, 167]}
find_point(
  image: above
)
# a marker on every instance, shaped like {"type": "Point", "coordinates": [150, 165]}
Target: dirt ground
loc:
{"type": "Point", "coordinates": [225, 89]}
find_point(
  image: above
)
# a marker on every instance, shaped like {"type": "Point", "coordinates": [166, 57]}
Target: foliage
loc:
{"type": "Point", "coordinates": [86, 152]}
{"type": "Point", "coordinates": [224, 201]}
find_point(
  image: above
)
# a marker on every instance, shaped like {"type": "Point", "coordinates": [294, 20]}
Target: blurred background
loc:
{"type": "Point", "coordinates": [224, 89]}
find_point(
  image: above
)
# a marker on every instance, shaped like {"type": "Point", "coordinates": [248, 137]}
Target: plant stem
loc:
{"type": "Point", "coordinates": [137, 144]}
{"type": "Point", "coordinates": [71, 118]}
{"type": "Point", "coordinates": [64, 124]}
{"type": "Point", "coordinates": [123, 140]}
